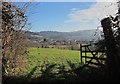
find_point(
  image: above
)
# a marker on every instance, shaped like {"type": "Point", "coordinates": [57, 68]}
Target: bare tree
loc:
{"type": "Point", "coordinates": [14, 21]}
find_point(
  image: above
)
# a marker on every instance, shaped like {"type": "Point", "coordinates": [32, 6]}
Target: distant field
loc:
{"type": "Point", "coordinates": [37, 56]}
{"type": "Point", "coordinates": [53, 55]}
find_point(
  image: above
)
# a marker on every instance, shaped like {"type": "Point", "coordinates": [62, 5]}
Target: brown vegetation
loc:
{"type": "Point", "coordinates": [13, 38]}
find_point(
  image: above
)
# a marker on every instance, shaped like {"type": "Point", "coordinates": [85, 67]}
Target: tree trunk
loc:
{"type": "Point", "coordinates": [112, 51]}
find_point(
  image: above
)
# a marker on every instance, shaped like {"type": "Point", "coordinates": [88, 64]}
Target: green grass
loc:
{"type": "Point", "coordinates": [42, 56]}
{"type": "Point", "coordinates": [53, 55]}
{"type": "Point", "coordinates": [37, 57]}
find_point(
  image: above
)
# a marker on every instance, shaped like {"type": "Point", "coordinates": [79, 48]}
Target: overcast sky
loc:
{"type": "Point", "coordinates": [69, 16]}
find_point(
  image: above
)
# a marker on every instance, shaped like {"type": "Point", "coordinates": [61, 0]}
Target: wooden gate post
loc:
{"type": "Point", "coordinates": [81, 53]}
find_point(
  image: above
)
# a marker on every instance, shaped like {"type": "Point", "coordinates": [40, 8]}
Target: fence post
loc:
{"type": "Point", "coordinates": [81, 52]}
{"type": "Point", "coordinates": [85, 53]}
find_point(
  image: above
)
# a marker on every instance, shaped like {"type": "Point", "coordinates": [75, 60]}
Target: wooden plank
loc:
{"type": "Point", "coordinates": [81, 52]}
{"type": "Point", "coordinates": [94, 63]}
{"type": "Point", "coordinates": [93, 58]}
{"type": "Point", "coordinates": [85, 45]}
{"type": "Point", "coordinates": [93, 51]}
{"type": "Point", "coordinates": [85, 54]}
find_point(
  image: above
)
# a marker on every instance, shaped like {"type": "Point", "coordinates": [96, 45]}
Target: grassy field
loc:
{"type": "Point", "coordinates": [42, 56]}
{"type": "Point", "coordinates": [38, 57]}
{"type": "Point", "coordinates": [53, 55]}
{"type": "Point", "coordinates": [50, 64]}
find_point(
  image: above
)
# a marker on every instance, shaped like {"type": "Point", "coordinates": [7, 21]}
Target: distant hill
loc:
{"type": "Point", "coordinates": [83, 35]}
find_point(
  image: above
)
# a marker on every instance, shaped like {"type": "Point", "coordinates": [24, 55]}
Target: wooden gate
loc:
{"type": "Point", "coordinates": [92, 57]}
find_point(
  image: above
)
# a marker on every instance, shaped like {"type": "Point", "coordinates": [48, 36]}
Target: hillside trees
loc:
{"type": "Point", "coordinates": [13, 37]}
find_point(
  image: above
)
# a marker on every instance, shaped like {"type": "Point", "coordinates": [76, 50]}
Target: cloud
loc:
{"type": "Point", "coordinates": [90, 18]}
{"type": "Point", "coordinates": [59, 0]}
{"type": "Point", "coordinates": [106, 0]}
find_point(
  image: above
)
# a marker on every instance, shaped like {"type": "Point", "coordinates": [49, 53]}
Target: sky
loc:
{"type": "Point", "coordinates": [69, 16]}
{"type": "Point", "coordinates": [61, 0]}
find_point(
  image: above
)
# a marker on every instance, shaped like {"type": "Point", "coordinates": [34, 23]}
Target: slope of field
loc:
{"type": "Point", "coordinates": [39, 56]}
